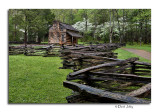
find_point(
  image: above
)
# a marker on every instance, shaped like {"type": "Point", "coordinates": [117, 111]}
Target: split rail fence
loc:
{"type": "Point", "coordinates": [98, 77]}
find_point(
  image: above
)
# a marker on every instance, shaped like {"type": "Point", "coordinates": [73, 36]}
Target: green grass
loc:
{"type": "Point", "coordinates": [44, 42]}
{"type": "Point", "coordinates": [36, 79]}
{"type": "Point", "coordinates": [142, 47]}
{"type": "Point", "coordinates": [123, 54]}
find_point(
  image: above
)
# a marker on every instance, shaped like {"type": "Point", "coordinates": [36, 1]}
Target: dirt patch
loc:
{"type": "Point", "coordinates": [142, 53]}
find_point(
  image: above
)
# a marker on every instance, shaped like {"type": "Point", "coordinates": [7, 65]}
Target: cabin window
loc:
{"type": "Point", "coordinates": [61, 28]}
{"type": "Point", "coordinates": [62, 37]}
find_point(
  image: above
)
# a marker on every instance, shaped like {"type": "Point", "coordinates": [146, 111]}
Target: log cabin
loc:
{"type": "Point", "coordinates": [61, 33]}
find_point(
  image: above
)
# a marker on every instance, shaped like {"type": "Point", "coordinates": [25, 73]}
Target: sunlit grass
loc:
{"type": "Point", "coordinates": [36, 79]}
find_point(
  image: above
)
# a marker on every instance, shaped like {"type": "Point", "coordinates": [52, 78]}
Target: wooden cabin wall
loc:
{"type": "Point", "coordinates": [55, 30]}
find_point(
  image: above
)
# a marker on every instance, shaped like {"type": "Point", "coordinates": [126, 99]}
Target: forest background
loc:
{"type": "Point", "coordinates": [103, 25]}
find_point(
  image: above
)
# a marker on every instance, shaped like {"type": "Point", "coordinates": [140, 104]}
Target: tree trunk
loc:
{"type": "Point", "coordinates": [25, 32]}
{"type": "Point", "coordinates": [25, 37]}
{"type": "Point", "coordinates": [71, 14]}
{"type": "Point", "coordinates": [118, 26]}
{"type": "Point", "coordinates": [140, 33]}
{"type": "Point", "coordinates": [15, 32]}
{"type": "Point", "coordinates": [39, 39]}
{"type": "Point", "coordinates": [146, 33]}
{"type": "Point", "coordinates": [123, 26]}
{"type": "Point", "coordinates": [110, 35]}
{"type": "Point", "coordinates": [86, 18]}
{"type": "Point", "coordinates": [113, 25]}
{"type": "Point", "coordinates": [136, 33]}
{"type": "Point", "coordinates": [95, 24]}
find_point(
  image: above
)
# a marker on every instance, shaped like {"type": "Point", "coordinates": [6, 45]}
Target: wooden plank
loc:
{"type": "Point", "coordinates": [101, 94]}
{"type": "Point", "coordinates": [103, 65]}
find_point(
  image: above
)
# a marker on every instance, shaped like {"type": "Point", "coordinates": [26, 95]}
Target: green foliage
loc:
{"type": "Point", "coordinates": [87, 37]}
{"type": "Point", "coordinates": [35, 22]}
{"type": "Point", "coordinates": [35, 79]}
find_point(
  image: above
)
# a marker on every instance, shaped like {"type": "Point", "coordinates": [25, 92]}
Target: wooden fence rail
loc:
{"type": "Point", "coordinates": [35, 50]}
{"type": "Point", "coordinates": [79, 56]}
{"type": "Point", "coordinates": [102, 96]}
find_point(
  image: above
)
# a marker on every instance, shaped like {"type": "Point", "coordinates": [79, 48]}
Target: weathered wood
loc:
{"type": "Point", "coordinates": [143, 74]}
{"type": "Point", "coordinates": [119, 77]}
{"type": "Point", "coordinates": [145, 71]}
{"type": "Point", "coordinates": [101, 94]}
{"type": "Point", "coordinates": [141, 91]}
{"type": "Point", "coordinates": [103, 65]}
{"type": "Point", "coordinates": [144, 67]}
{"type": "Point", "coordinates": [76, 98]}
{"type": "Point", "coordinates": [88, 53]}
{"type": "Point", "coordinates": [32, 51]}
{"type": "Point", "coordinates": [88, 57]}
{"type": "Point", "coordinates": [142, 63]}
{"type": "Point", "coordinates": [126, 84]}
{"type": "Point", "coordinates": [82, 77]}
{"type": "Point", "coordinates": [117, 69]}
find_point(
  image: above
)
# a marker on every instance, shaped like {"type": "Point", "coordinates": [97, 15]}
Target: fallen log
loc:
{"type": "Point", "coordinates": [103, 65]}
{"type": "Point", "coordinates": [102, 95]}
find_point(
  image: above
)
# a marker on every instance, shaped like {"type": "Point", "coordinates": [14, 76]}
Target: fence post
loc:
{"type": "Point", "coordinates": [25, 50]}
{"type": "Point", "coordinates": [133, 68]}
{"type": "Point", "coordinates": [87, 79]}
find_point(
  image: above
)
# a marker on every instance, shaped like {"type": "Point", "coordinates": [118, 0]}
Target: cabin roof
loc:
{"type": "Point", "coordinates": [69, 27]}
{"type": "Point", "coordinates": [74, 34]}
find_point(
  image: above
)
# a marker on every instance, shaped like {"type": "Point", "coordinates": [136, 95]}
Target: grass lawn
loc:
{"type": "Point", "coordinates": [142, 47]}
{"type": "Point", "coordinates": [123, 54]}
{"type": "Point", "coordinates": [36, 79]}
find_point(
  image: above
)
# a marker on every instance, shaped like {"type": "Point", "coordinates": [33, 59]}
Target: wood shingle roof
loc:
{"type": "Point", "coordinates": [68, 27]}
{"type": "Point", "coordinates": [73, 34]}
